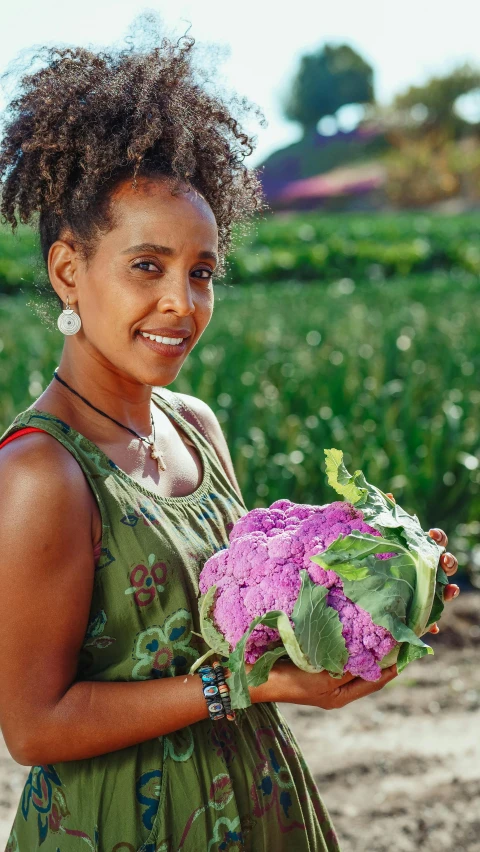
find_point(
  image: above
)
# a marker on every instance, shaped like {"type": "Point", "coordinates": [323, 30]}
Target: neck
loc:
{"type": "Point", "coordinates": [105, 387]}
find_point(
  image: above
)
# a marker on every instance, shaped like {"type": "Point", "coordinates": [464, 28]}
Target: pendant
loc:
{"type": "Point", "coordinates": [158, 456]}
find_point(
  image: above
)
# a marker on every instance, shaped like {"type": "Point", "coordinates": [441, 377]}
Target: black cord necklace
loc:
{"type": "Point", "coordinates": [154, 453]}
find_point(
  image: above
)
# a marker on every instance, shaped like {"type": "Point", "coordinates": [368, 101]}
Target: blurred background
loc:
{"type": "Point", "coordinates": [349, 318]}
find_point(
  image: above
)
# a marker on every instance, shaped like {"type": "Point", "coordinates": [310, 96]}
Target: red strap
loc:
{"type": "Point", "coordinates": [19, 432]}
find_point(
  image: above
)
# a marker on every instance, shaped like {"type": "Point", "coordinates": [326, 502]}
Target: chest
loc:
{"type": "Point", "coordinates": [183, 472]}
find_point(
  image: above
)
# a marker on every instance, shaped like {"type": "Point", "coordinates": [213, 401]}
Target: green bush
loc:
{"type": "Point", "coordinates": [370, 247]}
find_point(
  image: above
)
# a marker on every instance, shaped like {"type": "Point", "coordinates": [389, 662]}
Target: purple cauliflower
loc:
{"type": "Point", "coordinates": [260, 571]}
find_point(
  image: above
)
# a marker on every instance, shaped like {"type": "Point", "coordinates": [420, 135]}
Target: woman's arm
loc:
{"type": "Point", "coordinates": [46, 576]}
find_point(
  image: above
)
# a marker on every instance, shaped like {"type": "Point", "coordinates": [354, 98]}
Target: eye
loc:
{"type": "Point", "coordinates": [142, 264]}
{"type": "Point", "coordinates": [150, 266]}
{"type": "Point", "coordinates": [206, 277]}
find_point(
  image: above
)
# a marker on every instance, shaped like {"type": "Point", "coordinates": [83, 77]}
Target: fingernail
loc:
{"type": "Point", "coordinates": [456, 592]}
{"type": "Point", "coordinates": [448, 560]}
{"type": "Point", "coordinates": [434, 533]}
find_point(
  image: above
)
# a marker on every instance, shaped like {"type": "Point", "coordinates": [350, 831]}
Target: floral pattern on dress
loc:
{"type": "Point", "coordinates": [179, 745]}
{"type": "Point", "coordinates": [220, 795]}
{"type": "Point", "coordinates": [95, 630]}
{"type": "Point", "coordinates": [165, 651]}
{"type": "Point", "coordinates": [273, 781]}
{"type": "Point", "coordinates": [105, 559]}
{"type": "Point", "coordinates": [224, 742]}
{"type": "Point", "coordinates": [147, 580]}
{"type": "Point", "coordinates": [226, 836]}
{"type": "Point", "coordinates": [44, 792]}
{"type": "Point", "coordinates": [145, 510]}
{"type": "Point", "coordinates": [41, 784]}
{"type": "Point", "coordinates": [147, 790]}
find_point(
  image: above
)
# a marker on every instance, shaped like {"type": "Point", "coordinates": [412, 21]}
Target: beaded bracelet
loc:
{"type": "Point", "coordinates": [224, 690]}
{"type": "Point", "coordinates": [211, 692]}
{"type": "Point", "coordinates": [216, 692]}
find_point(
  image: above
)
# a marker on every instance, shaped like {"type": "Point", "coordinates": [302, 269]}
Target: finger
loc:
{"type": "Point", "coordinates": [358, 687]}
{"type": "Point", "coordinates": [434, 628]}
{"type": "Point", "coordinates": [449, 563]}
{"type": "Point", "coordinates": [450, 592]}
{"type": "Point", "coordinates": [389, 494]}
{"type": "Point", "coordinates": [439, 536]}
{"type": "Point", "coordinates": [341, 681]}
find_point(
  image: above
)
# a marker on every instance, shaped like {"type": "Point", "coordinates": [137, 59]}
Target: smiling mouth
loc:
{"type": "Point", "coordinates": [163, 345]}
{"type": "Point", "coordinates": [174, 339]}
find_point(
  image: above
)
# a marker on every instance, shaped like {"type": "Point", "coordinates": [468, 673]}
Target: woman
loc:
{"type": "Point", "coordinates": [120, 490]}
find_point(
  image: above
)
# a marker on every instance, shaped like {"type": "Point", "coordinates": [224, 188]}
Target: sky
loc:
{"type": "Point", "coordinates": [261, 41]}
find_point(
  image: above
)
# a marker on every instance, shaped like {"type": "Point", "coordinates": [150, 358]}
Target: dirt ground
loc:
{"type": "Point", "coordinates": [398, 771]}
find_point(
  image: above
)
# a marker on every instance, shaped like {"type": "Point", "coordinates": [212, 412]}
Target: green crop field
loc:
{"type": "Point", "coordinates": [367, 247]}
{"type": "Point", "coordinates": [384, 368]}
{"type": "Point", "coordinates": [309, 247]}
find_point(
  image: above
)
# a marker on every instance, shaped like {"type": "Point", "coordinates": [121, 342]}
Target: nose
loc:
{"type": "Point", "coordinates": [177, 296]}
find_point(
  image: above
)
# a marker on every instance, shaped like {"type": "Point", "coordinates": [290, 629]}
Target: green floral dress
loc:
{"type": "Point", "coordinates": [208, 787]}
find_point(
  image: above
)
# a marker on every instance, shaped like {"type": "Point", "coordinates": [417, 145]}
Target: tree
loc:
{"type": "Point", "coordinates": [332, 77]}
{"type": "Point", "coordinates": [432, 106]}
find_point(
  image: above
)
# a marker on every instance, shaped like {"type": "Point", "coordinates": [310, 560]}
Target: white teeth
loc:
{"type": "Point", "coordinates": [174, 341]}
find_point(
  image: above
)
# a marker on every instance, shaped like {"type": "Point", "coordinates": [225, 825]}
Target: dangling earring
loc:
{"type": "Point", "coordinates": [69, 322]}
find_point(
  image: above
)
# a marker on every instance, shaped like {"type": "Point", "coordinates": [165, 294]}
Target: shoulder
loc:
{"type": "Point", "coordinates": [36, 452]}
{"type": "Point", "coordinates": [37, 466]}
{"type": "Point", "coordinates": [213, 430]}
{"type": "Point", "coordinates": [205, 413]}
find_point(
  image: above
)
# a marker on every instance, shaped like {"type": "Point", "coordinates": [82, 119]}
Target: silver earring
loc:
{"type": "Point", "coordinates": [69, 322]}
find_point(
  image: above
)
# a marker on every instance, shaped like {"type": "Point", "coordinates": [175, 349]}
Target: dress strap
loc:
{"type": "Point", "coordinates": [214, 453]}
{"type": "Point", "coordinates": [186, 412]}
{"type": "Point", "coordinates": [18, 433]}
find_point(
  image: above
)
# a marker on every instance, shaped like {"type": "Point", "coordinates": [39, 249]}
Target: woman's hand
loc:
{"type": "Point", "coordinates": [448, 562]}
{"type": "Point", "coordinates": [290, 684]}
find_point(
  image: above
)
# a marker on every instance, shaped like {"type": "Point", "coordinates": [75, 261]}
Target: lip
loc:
{"type": "Point", "coordinates": [170, 350]}
{"type": "Point", "coordinates": [167, 332]}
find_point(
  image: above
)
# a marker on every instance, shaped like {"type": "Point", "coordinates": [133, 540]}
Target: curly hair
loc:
{"type": "Point", "coordinates": [87, 120]}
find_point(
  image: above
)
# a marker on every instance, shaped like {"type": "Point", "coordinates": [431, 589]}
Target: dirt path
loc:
{"type": "Point", "coordinates": [399, 771]}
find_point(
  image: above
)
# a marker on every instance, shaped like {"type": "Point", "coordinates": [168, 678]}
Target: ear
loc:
{"type": "Point", "coordinates": [63, 261]}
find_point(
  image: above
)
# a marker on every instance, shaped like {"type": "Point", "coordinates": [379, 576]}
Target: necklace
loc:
{"type": "Point", "coordinates": [154, 452]}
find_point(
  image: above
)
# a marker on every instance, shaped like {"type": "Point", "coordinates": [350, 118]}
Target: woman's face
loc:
{"type": "Point", "coordinates": [151, 272]}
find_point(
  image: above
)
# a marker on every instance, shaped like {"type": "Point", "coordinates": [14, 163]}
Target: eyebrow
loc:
{"type": "Point", "coordinates": [157, 249]}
